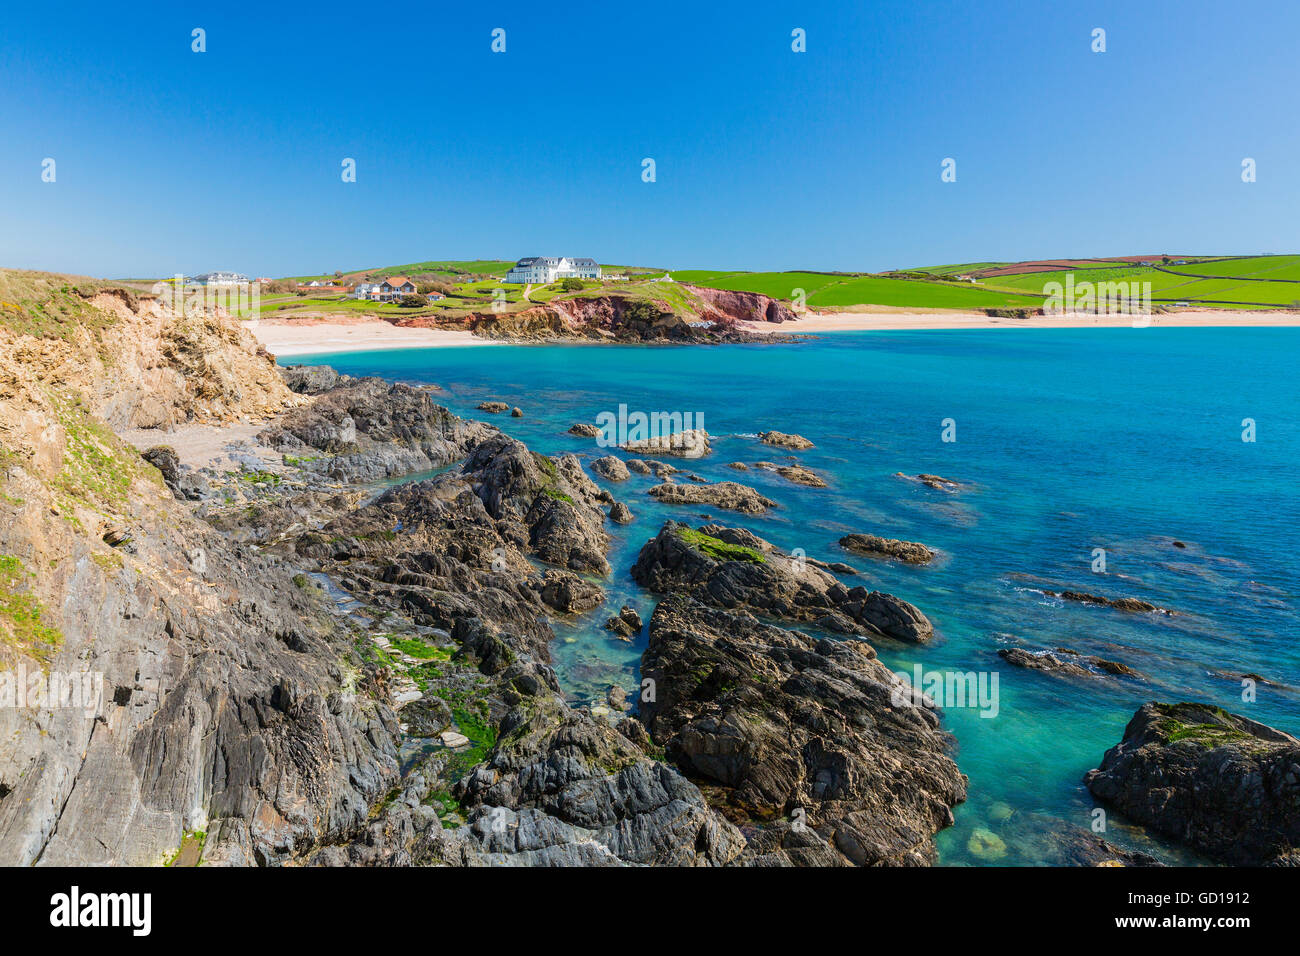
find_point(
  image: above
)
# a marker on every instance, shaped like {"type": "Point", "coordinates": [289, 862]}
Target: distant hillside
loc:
{"type": "Point", "coordinates": [1237, 282]}
{"type": "Point", "coordinates": [1233, 282]}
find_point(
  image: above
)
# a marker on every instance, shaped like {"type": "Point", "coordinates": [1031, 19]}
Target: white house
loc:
{"type": "Point", "coordinates": [220, 278]}
{"type": "Point", "coordinates": [546, 269]}
{"type": "Point", "coordinates": [394, 287]}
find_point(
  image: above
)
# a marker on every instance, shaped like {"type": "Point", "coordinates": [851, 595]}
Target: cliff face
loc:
{"type": "Point", "coordinates": [205, 689]}
{"type": "Point", "coordinates": [724, 305]}
{"type": "Point", "coordinates": [714, 317]}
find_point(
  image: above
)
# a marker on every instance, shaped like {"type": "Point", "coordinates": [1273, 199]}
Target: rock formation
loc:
{"type": "Point", "coordinates": [1218, 782]}
{"type": "Point", "coordinates": [720, 568]}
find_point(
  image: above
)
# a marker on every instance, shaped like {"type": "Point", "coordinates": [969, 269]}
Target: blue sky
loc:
{"type": "Point", "coordinates": [174, 161]}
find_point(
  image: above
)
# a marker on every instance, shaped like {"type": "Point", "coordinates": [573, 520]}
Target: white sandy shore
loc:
{"type": "Point", "coordinates": [325, 334]}
{"type": "Point", "coordinates": [870, 320]}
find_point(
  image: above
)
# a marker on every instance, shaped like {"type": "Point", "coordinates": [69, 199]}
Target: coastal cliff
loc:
{"type": "Point", "coordinates": [694, 315]}
{"type": "Point", "coordinates": [294, 670]}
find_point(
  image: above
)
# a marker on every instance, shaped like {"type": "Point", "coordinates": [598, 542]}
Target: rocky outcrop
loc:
{"type": "Point", "coordinates": [622, 317]}
{"type": "Point", "coordinates": [689, 443]}
{"type": "Point", "coordinates": [802, 735]}
{"type": "Point", "coordinates": [540, 783]}
{"type": "Point", "coordinates": [367, 429]}
{"type": "Point", "coordinates": [937, 482]}
{"type": "Point", "coordinates": [1066, 662]}
{"type": "Point", "coordinates": [313, 379]}
{"type": "Point", "coordinates": [729, 495]}
{"type": "Point", "coordinates": [732, 575]}
{"type": "Point", "coordinates": [783, 440]}
{"type": "Point", "coordinates": [1218, 782]}
{"type": "Point", "coordinates": [584, 430]}
{"type": "Point", "coordinates": [567, 593]}
{"type": "Point", "coordinates": [626, 624]}
{"type": "Point", "coordinates": [873, 546]}
{"type": "Point", "coordinates": [610, 468]}
{"type": "Point", "coordinates": [795, 474]}
{"type": "Point", "coordinates": [565, 790]}
{"type": "Point", "coordinates": [1129, 604]}
{"type": "Point", "coordinates": [660, 469]}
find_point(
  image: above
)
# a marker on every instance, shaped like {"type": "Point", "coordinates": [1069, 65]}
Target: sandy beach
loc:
{"type": "Point", "coordinates": [324, 334]}
{"type": "Point", "coordinates": [870, 320]}
{"type": "Point", "coordinates": [335, 333]}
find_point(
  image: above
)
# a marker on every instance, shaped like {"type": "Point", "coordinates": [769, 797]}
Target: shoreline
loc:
{"type": "Point", "coordinates": [326, 334]}
{"type": "Point", "coordinates": [868, 320]}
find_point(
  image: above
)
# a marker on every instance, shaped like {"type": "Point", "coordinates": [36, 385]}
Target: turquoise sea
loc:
{"type": "Point", "coordinates": [1070, 440]}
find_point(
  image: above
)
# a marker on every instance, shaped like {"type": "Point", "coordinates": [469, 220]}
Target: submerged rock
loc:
{"type": "Point", "coordinates": [1218, 782]}
{"type": "Point", "coordinates": [986, 845]}
{"type": "Point", "coordinates": [795, 474]}
{"type": "Point", "coordinates": [804, 735]}
{"type": "Point", "coordinates": [1132, 605]}
{"type": "Point", "coordinates": [1065, 662]}
{"type": "Point", "coordinates": [937, 482]}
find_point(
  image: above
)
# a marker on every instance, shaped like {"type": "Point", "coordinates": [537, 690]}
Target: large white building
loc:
{"type": "Point", "coordinates": [220, 278]}
{"type": "Point", "coordinates": [546, 269]}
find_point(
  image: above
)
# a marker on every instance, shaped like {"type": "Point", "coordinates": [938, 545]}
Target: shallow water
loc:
{"type": "Point", "coordinates": [1070, 440]}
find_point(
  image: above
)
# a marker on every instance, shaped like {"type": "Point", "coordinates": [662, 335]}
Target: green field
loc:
{"type": "Point", "coordinates": [1252, 267]}
{"type": "Point", "coordinates": [837, 290]}
{"type": "Point", "coordinates": [1171, 284]}
{"type": "Point", "coordinates": [443, 267]}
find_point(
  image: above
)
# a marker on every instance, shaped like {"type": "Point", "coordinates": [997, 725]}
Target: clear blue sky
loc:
{"type": "Point", "coordinates": [173, 161]}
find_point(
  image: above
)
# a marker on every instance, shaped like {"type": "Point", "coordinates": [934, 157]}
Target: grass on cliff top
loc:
{"type": "Point", "coordinates": [21, 625]}
{"type": "Point", "coordinates": [719, 549]}
{"type": "Point", "coordinates": [51, 306]}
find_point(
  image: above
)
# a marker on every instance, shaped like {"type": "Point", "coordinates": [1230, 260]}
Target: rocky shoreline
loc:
{"type": "Point", "coordinates": [347, 659]}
